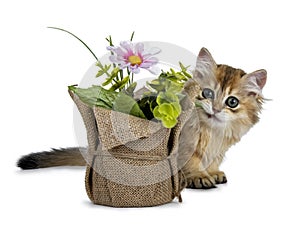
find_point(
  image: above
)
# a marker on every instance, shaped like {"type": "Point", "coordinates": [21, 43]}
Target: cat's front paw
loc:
{"type": "Point", "coordinates": [219, 176]}
{"type": "Point", "coordinates": [201, 182]}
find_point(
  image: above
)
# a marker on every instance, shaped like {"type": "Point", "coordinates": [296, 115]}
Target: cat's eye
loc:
{"type": "Point", "coordinates": [232, 102]}
{"type": "Point", "coordinates": [208, 93]}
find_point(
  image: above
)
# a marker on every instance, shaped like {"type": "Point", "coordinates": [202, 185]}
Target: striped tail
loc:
{"type": "Point", "coordinates": [55, 157]}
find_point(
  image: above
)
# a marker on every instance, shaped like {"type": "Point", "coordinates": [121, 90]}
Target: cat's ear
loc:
{"type": "Point", "coordinates": [255, 82]}
{"type": "Point", "coordinates": [204, 56]}
{"type": "Point", "coordinates": [205, 65]}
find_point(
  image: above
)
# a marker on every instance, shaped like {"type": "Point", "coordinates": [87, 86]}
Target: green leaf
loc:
{"type": "Point", "coordinates": [184, 70]}
{"type": "Point", "coordinates": [167, 110]}
{"type": "Point", "coordinates": [115, 86]}
{"type": "Point", "coordinates": [177, 108]}
{"type": "Point", "coordinates": [126, 104]}
{"type": "Point", "coordinates": [172, 71]}
{"type": "Point", "coordinates": [167, 114]}
{"type": "Point", "coordinates": [103, 69]}
{"type": "Point", "coordinates": [107, 67]}
{"type": "Point", "coordinates": [166, 97]}
{"type": "Point", "coordinates": [120, 84]}
{"type": "Point", "coordinates": [113, 75]}
{"type": "Point", "coordinates": [100, 73]}
{"type": "Point", "coordinates": [187, 75]}
{"type": "Point", "coordinates": [174, 87]}
{"type": "Point", "coordinates": [147, 104]}
{"type": "Point", "coordinates": [180, 76]}
{"type": "Point", "coordinates": [157, 84]}
{"type": "Point", "coordinates": [129, 91]}
{"type": "Point", "coordinates": [95, 96]}
{"type": "Point", "coordinates": [182, 67]}
{"type": "Point", "coordinates": [72, 87]}
{"type": "Point", "coordinates": [124, 82]}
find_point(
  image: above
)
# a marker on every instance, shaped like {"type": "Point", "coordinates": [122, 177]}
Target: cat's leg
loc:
{"type": "Point", "coordinates": [213, 171]}
{"type": "Point", "coordinates": [197, 178]}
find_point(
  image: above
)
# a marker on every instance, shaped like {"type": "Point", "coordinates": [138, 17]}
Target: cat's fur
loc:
{"type": "Point", "coordinates": [209, 132]}
{"type": "Point", "coordinates": [215, 127]}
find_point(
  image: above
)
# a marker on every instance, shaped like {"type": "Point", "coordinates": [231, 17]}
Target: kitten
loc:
{"type": "Point", "coordinates": [230, 101]}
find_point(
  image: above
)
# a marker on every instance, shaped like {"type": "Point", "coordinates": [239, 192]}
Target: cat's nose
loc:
{"type": "Point", "coordinates": [216, 110]}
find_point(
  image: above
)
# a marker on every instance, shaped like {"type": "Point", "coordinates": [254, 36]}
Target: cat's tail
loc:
{"type": "Point", "coordinates": [55, 157]}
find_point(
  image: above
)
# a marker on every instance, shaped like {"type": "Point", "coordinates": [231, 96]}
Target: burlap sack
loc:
{"type": "Point", "coordinates": [131, 162]}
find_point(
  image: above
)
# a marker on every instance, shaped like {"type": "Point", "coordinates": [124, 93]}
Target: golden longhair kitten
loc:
{"type": "Point", "coordinates": [228, 100]}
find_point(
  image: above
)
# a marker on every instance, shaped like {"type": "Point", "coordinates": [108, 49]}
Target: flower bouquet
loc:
{"type": "Point", "coordinates": [132, 134]}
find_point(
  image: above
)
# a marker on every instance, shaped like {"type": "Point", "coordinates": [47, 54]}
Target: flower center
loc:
{"type": "Point", "coordinates": [134, 60]}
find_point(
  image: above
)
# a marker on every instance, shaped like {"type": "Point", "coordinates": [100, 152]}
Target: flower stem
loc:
{"type": "Point", "coordinates": [109, 40]}
{"type": "Point", "coordinates": [121, 74]}
{"type": "Point", "coordinates": [128, 73]}
{"type": "Point", "coordinates": [131, 38]}
{"type": "Point", "coordinates": [77, 39]}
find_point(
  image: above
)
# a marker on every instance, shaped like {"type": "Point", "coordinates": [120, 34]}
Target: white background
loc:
{"type": "Point", "coordinates": [37, 65]}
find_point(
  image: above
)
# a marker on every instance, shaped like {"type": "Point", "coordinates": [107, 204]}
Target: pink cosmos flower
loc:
{"type": "Point", "coordinates": [134, 56]}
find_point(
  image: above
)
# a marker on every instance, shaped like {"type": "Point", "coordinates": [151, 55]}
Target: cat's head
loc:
{"type": "Point", "coordinates": [226, 96]}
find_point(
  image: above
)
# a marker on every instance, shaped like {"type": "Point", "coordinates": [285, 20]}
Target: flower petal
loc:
{"type": "Point", "coordinates": [121, 58]}
{"type": "Point", "coordinates": [152, 60]}
{"type": "Point", "coordinates": [139, 48]}
{"type": "Point", "coordinates": [119, 51]}
{"type": "Point", "coordinates": [127, 49]}
{"type": "Point", "coordinates": [154, 51]}
{"type": "Point", "coordinates": [113, 58]}
{"type": "Point", "coordinates": [146, 55]}
{"type": "Point", "coordinates": [127, 64]}
{"type": "Point", "coordinates": [135, 69]}
{"type": "Point", "coordinates": [145, 65]}
{"type": "Point", "coordinates": [128, 46]}
{"type": "Point", "coordinates": [111, 48]}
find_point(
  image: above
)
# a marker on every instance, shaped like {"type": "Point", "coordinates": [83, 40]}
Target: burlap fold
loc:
{"type": "Point", "coordinates": [131, 162]}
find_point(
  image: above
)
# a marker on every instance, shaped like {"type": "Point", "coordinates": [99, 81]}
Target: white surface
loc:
{"type": "Point", "coordinates": [37, 64]}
